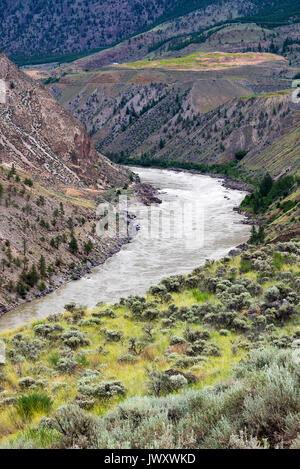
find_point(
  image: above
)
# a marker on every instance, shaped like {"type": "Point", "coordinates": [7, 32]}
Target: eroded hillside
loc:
{"type": "Point", "coordinates": [39, 136]}
{"type": "Point", "coordinates": [51, 180]}
{"type": "Point", "coordinates": [189, 116]}
{"type": "Point", "coordinates": [155, 39]}
{"type": "Point", "coordinates": [46, 237]}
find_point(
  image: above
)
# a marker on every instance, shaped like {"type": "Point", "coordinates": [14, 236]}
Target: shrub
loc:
{"type": "Point", "coordinates": [175, 340]}
{"type": "Point", "coordinates": [127, 358]}
{"type": "Point", "coordinates": [195, 335]}
{"type": "Point", "coordinates": [174, 283]}
{"type": "Point", "coordinates": [150, 314]}
{"type": "Point", "coordinates": [158, 290]}
{"type": "Point", "coordinates": [26, 382]}
{"type": "Point", "coordinates": [66, 364]}
{"type": "Point", "coordinates": [161, 383]}
{"type": "Point", "coordinates": [272, 294]}
{"type": "Point", "coordinates": [84, 402]}
{"type": "Point", "coordinates": [77, 428]}
{"type": "Point", "coordinates": [107, 313]}
{"type": "Point", "coordinates": [46, 330]}
{"type": "Point", "coordinates": [113, 336]}
{"type": "Point", "coordinates": [103, 390]}
{"type": "Point", "coordinates": [25, 348]}
{"type": "Point", "coordinates": [90, 322]}
{"type": "Point", "coordinates": [74, 338]}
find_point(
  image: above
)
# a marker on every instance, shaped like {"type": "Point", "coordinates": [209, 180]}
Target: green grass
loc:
{"type": "Point", "coordinates": [278, 261]}
{"type": "Point", "coordinates": [54, 387]}
{"type": "Point", "coordinates": [28, 405]}
{"type": "Point", "coordinates": [271, 94]}
{"type": "Point", "coordinates": [201, 61]}
{"type": "Point", "coordinates": [200, 296]}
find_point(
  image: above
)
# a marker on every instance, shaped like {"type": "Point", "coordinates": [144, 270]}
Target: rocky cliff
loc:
{"type": "Point", "coordinates": [39, 136]}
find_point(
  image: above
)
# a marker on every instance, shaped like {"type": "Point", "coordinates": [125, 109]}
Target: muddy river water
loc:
{"type": "Point", "coordinates": [195, 222]}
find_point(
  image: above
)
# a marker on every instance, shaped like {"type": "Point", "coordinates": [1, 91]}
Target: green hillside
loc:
{"type": "Point", "coordinates": [189, 333]}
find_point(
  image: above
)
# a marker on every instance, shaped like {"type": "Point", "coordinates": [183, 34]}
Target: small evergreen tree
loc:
{"type": "Point", "coordinates": [253, 236]}
{"type": "Point", "coordinates": [42, 266]}
{"type": "Point", "coordinates": [32, 276]}
{"type": "Point", "coordinates": [73, 245]}
{"type": "Point", "coordinates": [21, 289]}
{"type": "Point", "coordinates": [88, 247]}
{"type": "Point", "coordinates": [266, 185]}
{"type": "Point", "coordinates": [261, 234]}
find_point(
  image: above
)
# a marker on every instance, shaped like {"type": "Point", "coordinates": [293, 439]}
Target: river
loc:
{"type": "Point", "coordinates": [195, 222]}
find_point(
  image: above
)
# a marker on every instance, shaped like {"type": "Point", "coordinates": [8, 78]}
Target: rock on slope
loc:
{"type": "Point", "coordinates": [39, 136]}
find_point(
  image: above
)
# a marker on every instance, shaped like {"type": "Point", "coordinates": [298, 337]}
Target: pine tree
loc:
{"type": "Point", "coordinates": [73, 245]}
{"type": "Point", "coordinates": [88, 247]}
{"type": "Point", "coordinates": [42, 266]}
{"type": "Point", "coordinates": [21, 289]}
{"type": "Point", "coordinates": [266, 185]}
{"type": "Point", "coordinates": [261, 234]}
{"type": "Point", "coordinates": [253, 237]}
{"type": "Point", "coordinates": [32, 276]}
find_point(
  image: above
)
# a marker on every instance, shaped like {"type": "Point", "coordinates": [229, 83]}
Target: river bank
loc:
{"type": "Point", "coordinates": [227, 182]}
{"type": "Point", "coordinates": [147, 258]}
{"type": "Point", "coordinates": [143, 193]}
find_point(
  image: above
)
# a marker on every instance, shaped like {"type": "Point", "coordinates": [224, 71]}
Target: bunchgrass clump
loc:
{"type": "Point", "coordinates": [29, 404]}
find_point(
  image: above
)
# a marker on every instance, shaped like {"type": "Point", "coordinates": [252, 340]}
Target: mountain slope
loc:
{"type": "Point", "coordinates": [47, 30]}
{"type": "Point", "coordinates": [38, 135]}
{"type": "Point", "coordinates": [192, 116]}
{"type": "Point", "coordinates": [139, 46]}
{"type": "Point", "coordinates": [182, 28]}
{"type": "Point", "coordinates": [60, 26]}
{"type": "Point", "coordinates": [51, 180]}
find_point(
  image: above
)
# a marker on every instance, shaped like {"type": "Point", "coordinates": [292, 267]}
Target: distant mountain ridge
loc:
{"type": "Point", "coordinates": [58, 27]}
{"type": "Point", "coordinates": [36, 27]}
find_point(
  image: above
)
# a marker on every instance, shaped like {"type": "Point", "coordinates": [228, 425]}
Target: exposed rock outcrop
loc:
{"type": "Point", "coordinates": [39, 136]}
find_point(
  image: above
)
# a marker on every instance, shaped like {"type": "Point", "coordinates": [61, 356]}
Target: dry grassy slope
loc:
{"type": "Point", "coordinates": [283, 218]}
{"type": "Point", "coordinates": [282, 153]}
{"type": "Point", "coordinates": [30, 217]}
{"type": "Point", "coordinates": [38, 135]}
{"type": "Point", "coordinates": [249, 123]}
